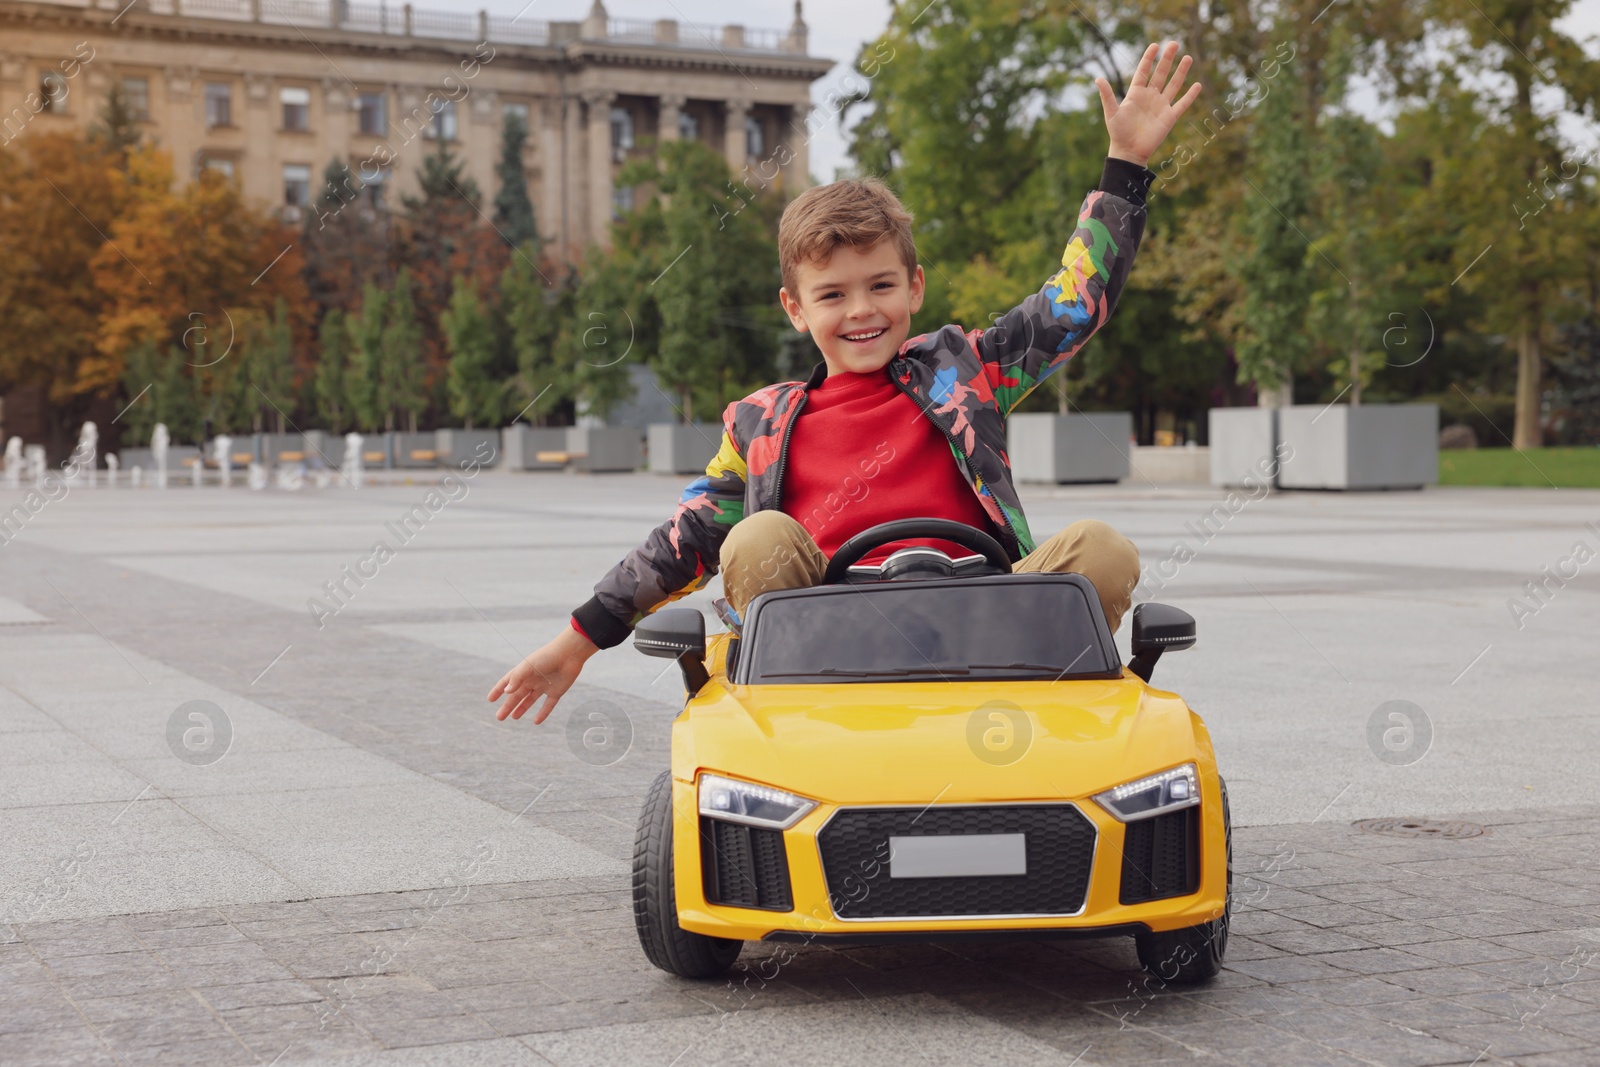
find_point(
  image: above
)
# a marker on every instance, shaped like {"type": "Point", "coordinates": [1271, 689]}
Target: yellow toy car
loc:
{"type": "Point", "coordinates": [931, 749]}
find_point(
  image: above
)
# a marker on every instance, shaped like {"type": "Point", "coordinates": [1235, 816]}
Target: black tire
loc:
{"type": "Point", "coordinates": [655, 904]}
{"type": "Point", "coordinates": [1193, 954]}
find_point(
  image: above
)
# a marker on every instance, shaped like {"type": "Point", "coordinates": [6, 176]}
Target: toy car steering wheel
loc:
{"type": "Point", "coordinates": [859, 546]}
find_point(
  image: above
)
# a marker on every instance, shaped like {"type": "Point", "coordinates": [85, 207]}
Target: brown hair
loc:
{"type": "Point", "coordinates": [858, 212]}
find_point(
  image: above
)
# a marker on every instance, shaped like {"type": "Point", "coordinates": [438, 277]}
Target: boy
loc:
{"type": "Point", "coordinates": [891, 428]}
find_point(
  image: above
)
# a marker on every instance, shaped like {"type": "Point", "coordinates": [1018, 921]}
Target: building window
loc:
{"type": "Point", "coordinates": [374, 180]}
{"type": "Point", "coordinates": [223, 167]}
{"type": "Point", "coordinates": [136, 95]}
{"type": "Point", "coordinates": [755, 138]}
{"type": "Point", "coordinates": [518, 111]}
{"type": "Point", "coordinates": [219, 104]}
{"type": "Point", "coordinates": [688, 126]}
{"type": "Point", "coordinates": [296, 185]}
{"type": "Point", "coordinates": [296, 107]}
{"type": "Point", "coordinates": [53, 91]}
{"type": "Point", "coordinates": [373, 112]}
{"type": "Point", "coordinates": [621, 201]}
{"type": "Point", "coordinates": [443, 126]}
{"type": "Point", "coordinates": [621, 132]}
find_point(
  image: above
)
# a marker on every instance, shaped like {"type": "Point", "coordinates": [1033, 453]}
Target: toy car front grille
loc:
{"type": "Point", "coordinates": [1059, 851]}
{"type": "Point", "coordinates": [1161, 857]}
{"type": "Point", "coordinates": [744, 866]}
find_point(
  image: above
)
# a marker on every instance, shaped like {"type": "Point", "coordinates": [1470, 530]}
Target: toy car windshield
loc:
{"type": "Point", "coordinates": [1015, 627]}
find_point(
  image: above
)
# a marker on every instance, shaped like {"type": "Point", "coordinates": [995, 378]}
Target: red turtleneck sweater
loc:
{"type": "Point", "coordinates": [862, 452]}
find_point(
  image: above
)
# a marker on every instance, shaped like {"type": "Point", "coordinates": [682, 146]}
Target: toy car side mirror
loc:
{"type": "Point", "coordinates": [680, 634]}
{"type": "Point", "coordinates": [1158, 628]}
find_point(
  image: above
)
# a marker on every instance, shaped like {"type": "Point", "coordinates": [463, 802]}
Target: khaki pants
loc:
{"type": "Point", "coordinates": [770, 550]}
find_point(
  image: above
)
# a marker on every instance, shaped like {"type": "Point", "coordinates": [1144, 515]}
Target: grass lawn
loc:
{"type": "Point", "coordinates": [1567, 468]}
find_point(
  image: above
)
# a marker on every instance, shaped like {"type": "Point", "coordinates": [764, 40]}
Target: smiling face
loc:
{"type": "Point", "coordinates": [857, 305]}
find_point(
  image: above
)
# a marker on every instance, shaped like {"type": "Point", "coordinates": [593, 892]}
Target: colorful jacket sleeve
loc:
{"type": "Point", "coordinates": [1037, 337]}
{"type": "Point", "coordinates": [678, 557]}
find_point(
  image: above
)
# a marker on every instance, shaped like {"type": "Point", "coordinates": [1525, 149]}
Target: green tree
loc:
{"type": "Point", "coordinates": [1276, 273]}
{"type": "Point", "coordinates": [368, 404]}
{"type": "Point", "coordinates": [716, 279]}
{"type": "Point", "coordinates": [333, 371]}
{"type": "Point", "coordinates": [402, 381]}
{"type": "Point", "coordinates": [268, 358]}
{"type": "Point", "coordinates": [116, 126]}
{"type": "Point", "coordinates": [475, 396]}
{"type": "Point", "coordinates": [535, 315]}
{"type": "Point", "coordinates": [609, 331]}
{"type": "Point", "coordinates": [346, 243]}
{"type": "Point", "coordinates": [445, 237]}
{"type": "Point", "coordinates": [513, 211]}
{"type": "Point", "coordinates": [165, 393]}
{"type": "Point", "coordinates": [1518, 43]}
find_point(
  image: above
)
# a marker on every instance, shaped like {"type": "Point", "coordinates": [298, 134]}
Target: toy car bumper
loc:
{"type": "Point", "coordinates": [828, 878]}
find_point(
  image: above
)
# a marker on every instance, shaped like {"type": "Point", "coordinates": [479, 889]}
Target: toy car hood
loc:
{"type": "Point", "coordinates": [910, 742]}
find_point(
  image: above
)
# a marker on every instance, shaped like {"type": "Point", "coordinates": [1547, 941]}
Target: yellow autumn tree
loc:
{"type": "Point", "coordinates": [184, 266]}
{"type": "Point", "coordinates": [58, 196]}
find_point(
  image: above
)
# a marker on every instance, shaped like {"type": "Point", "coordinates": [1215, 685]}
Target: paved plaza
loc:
{"type": "Point", "coordinates": [256, 811]}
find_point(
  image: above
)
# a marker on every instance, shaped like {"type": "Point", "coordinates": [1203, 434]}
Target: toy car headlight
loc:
{"type": "Point", "coordinates": [1158, 794]}
{"type": "Point", "coordinates": [754, 805]}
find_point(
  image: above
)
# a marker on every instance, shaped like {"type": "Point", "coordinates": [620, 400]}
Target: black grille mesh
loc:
{"type": "Point", "coordinates": [1161, 857]}
{"type": "Point", "coordinates": [855, 859]}
{"type": "Point", "coordinates": [744, 866]}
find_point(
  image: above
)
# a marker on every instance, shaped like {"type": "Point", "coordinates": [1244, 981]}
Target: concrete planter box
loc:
{"type": "Point", "coordinates": [280, 449]}
{"type": "Point", "coordinates": [1170, 466]}
{"type": "Point", "coordinates": [324, 450]}
{"type": "Point", "coordinates": [682, 448]}
{"type": "Point", "coordinates": [460, 447]}
{"type": "Point", "coordinates": [520, 445]}
{"type": "Point", "coordinates": [606, 448]}
{"type": "Point", "coordinates": [1370, 446]}
{"type": "Point", "coordinates": [1090, 447]}
{"type": "Point", "coordinates": [1243, 441]}
{"type": "Point", "coordinates": [413, 450]}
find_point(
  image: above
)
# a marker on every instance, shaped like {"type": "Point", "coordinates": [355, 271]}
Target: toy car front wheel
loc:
{"type": "Point", "coordinates": [655, 903]}
{"type": "Point", "coordinates": [1193, 954]}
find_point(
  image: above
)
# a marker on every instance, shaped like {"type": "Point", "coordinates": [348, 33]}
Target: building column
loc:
{"type": "Point", "coordinates": [545, 116]}
{"type": "Point", "coordinates": [797, 139]}
{"type": "Point", "coordinates": [183, 136]}
{"type": "Point", "coordinates": [336, 117]}
{"type": "Point", "coordinates": [260, 171]}
{"type": "Point", "coordinates": [668, 110]}
{"type": "Point", "coordinates": [478, 129]}
{"type": "Point", "coordinates": [733, 139]}
{"type": "Point", "coordinates": [599, 103]}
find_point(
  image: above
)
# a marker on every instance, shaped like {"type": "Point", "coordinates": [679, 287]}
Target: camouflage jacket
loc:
{"type": "Point", "coordinates": [967, 382]}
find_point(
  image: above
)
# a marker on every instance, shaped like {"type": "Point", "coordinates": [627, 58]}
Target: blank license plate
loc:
{"type": "Point", "coordinates": [958, 855]}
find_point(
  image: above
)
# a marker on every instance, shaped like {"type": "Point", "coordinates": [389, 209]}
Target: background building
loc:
{"type": "Point", "coordinates": [270, 91]}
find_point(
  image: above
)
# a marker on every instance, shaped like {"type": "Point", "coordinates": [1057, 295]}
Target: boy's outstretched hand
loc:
{"type": "Point", "coordinates": [1147, 114]}
{"type": "Point", "coordinates": [548, 672]}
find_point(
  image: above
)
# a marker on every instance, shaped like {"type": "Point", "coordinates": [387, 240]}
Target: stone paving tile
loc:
{"type": "Point", "coordinates": [258, 994]}
{"type": "Point", "coordinates": [174, 1004]}
{"type": "Point", "coordinates": [1442, 982]}
{"type": "Point", "coordinates": [1463, 951]}
{"type": "Point", "coordinates": [52, 1048]}
{"type": "Point", "coordinates": [402, 1032]}
{"type": "Point", "coordinates": [1511, 1041]}
{"type": "Point", "coordinates": [1374, 960]}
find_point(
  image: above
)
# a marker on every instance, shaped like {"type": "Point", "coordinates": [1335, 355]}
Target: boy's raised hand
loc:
{"type": "Point", "coordinates": [1152, 107]}
{"type": "Point", "coordinates": [546, 672]}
